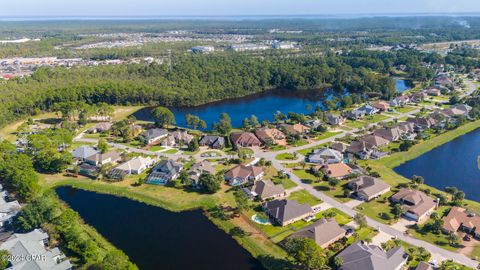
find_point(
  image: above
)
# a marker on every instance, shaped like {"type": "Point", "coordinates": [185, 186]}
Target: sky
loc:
{"type": "Point", "coordinates": [63, 8]}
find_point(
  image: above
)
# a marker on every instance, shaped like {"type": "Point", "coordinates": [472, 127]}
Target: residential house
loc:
{"type": "Point", "coordinates": [417, 205]}
{"type": "Point", "coordinates": [154, 135]}
{"type": "Point", "coordinates": [30, 251]}
{"type": "Point", "coordinates": [241, 174]}
{"type": "Point", "coordinates": [422, 122]}
{"type": "Point", "coordinates": [381, 106]}
{"type": "Point", "coordinates": [266, 189]}
{"type": "Point", "coordinates": [136, 165]}
{"type": "Point", "coordinates": [399, 101]}
{"type": "Point", "coordinates": [244, 139]}
{"type": "Point", "coordinates": [424, 266]}
{"type": "Point", "coordinates": [84, 151]}
{"type": "Point", "coordinates": [178, 137]}
{"type": "Point", "coordinates": [334, 120]}
{"type": "Point", "coordinates": [295, 128]}
{"type": "Point", "coordinates": [8, 210]}
{"type": "Point", "coordinates": [390, 134]}
{"type": "Point", "coordinates": [270, 136]}
{"type": "Point", "coordinates": [368, 188]}
{"type": "Point", "coordinates": [460, 219]}
{"type": "Point", "coordinates": [338, 170]}
{"type": "Point", "coordinates": [323, 231]}
{"type": "Point", "coordinates": [100, 159]}
{"type": "Point", "coordinates": [375, 141]}
{"type": "Point", "coordinates": [164, 172]}
{"type": "Point", "coordinates": [360, 148]}
{"type": "Point", "coordinates": [284, 212]}
{"type": "Point", "coordinates": [355, 114]}
{"type": "Point", "coordinates": [368, 109]}
{"type": "Point", "coordinates": [433, 92]}
{"type": "Point", "coordinates": [313, 123]}
{"type": "Point", "coordinates": [452, 112]}
{"type": "Point", "coordinates": [418, 97]}
{"type": "Point", "coordinates": [359, 256]}
{"type": "Point", "coordinates": [198, 169]}
{"type": "Point", "coordinates": [212, 141]}
{"type": "Point", "coordinates": [100, 127]}
{"type": "Point", "coordinates": [339, 146]}
{"type": "Point", "coordinates": [462, 107]}
{"type": "Point", "coordinates": [325, 155]}
{"type": "Point", "coordinates": [88, 170]}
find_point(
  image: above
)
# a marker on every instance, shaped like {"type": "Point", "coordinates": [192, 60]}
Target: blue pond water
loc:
{"type": "Point", "coordinates": [451, 164]}
{"type": "Point", "coordinates": [263, 105]}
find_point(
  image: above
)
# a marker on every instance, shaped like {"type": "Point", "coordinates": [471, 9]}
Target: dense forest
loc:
{"type": "Point", "coordinates": [198, 79]}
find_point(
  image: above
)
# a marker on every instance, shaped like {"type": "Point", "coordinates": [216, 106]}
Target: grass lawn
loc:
{"type": "Point", "coordinates": [286, 182]}
{"type": "Point", "coordinates": [475, 252]}
{"type": "Point", "coordinates": [327, 135]}
{"type": "Point", "coordinates": [303, 196]}
{"type": "Point", "coordinates": [405, 109]}
{"type": "Point", "coordinates": [336, 193]}
{"type": "Point", "coordinates": [299, 143]}
{"type": "Point", "coordinates": [355, 124]}
{"type": "Point", "coordinates": [156, 148]}
{"type": "Point", "coordinates": [375, 208]}
{"type": "Point", "coordinates": [375, 118]}
{"type": "Point", "coordinates": [285, 156]}
{"type": "Point", "coordinates": [277, 148]}
{"type": "Point", "coordinates": [170, 151]}
{"type": "Point", "coordinates": [304, 175]}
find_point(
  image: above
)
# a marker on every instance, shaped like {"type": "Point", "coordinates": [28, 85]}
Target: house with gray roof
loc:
{"type": "Point", "coordinates": [84, 151]}
{"type": "Point", "coordinates": [325, 155]}
{"type": "Point", "coordinates": [286, 211]}
{"type": "Point", "coordinates": [164, 172]}
{"type": "Point", "coordinates": [359, 256]}
{"type": "Point", "coordinates": [100, 159]}
{"type": "Point", "coordinates": [212, 141]}
{"type": "Point", "coordinates": [323, 231]}
{"type": "Point", "coordinates": [154, 135]}
{"type": "Point", "coordinates": [136, 165]}
{"type": "Point", "coordinates": [32, 252]}
{"type": "Point", "coordinates": [368, 188]}
{"type": "Point", "coordinates": [266, 189]}
{"type": "Point", "coordinates": [8, 210]}
{"type": "Point", "coordinates": [198, 169]}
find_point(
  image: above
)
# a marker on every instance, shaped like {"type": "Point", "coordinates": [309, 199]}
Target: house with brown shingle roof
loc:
{"type": "Point", "coordinates": [381, 105]}
{"type": "Point", "coordinates": [241, 174]}
{"type": "Point", "coordinates": [417, 205]}
{"type": "Point", "coordinates": [459, 219]}
{"type": "Point", "coordinates": [323, 231]}
{"type": "Point", "coordinates": [266, 189]}
{"type": "Point", "coordinates": [244, 139]}
{"type": "Point", "coordinates": [100, 159]}
{"type": "Point", "coordinates": [295, 128]}
{"type": "Point", "coordinates": [286, 211]}
{"type": "Point", "coordinates": [375, 140]}
{"type": "Point", "coordinates": [368, 188]}
{"type": "Point", "coordinates": [391, 134]}
{"type": "Point", "coordinates": [422, 122]}
{"type": "Point", "coordinates": [270, 135]}
{"type": "Point", "coordinates": [338, 170]}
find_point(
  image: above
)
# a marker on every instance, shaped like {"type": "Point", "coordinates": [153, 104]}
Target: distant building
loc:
{"type": "Point", "coordinates": [154, 136]}
{"type": "Point", "coordinates": [249, 47]}
{"type": "Point", "coordinates": [244, 139]}
{"type": "Point", "coordinates": [212, 141]}
{"type": "Point", "coordinates": [203, 49]}
{"type": "Point", "coordinates": [100, 127]}
{"type": "Point", "coordinates": [325, 155]}
{"type": "Point", "coordinates": [283, 45]}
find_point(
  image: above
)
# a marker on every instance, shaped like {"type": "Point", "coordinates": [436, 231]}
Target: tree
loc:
{"type": "Point", "coordinates": [241, 199]}
{"type": "Point", "coordinates": [453, 239]}
{"type": "Point", "coordinates": [405, 145]}
{"type": "Point", "coordinates": [333, 182]}
{"type": "Point", "coordinates": [338, 262]}
{"type": "Point", "coordinates": [224, 126]}
{"type": "Point", "coordinates": [246, 124]}
{"type": "Point", "coordinates": [193, 145]}
{"type": "Point", "coordinates": [163, 116]}
{"type": "Point", "coordinates": [209, 183]}
{"type": "Point", "coordinates": [418, 179]}
{"type": "Point", "coordinates": [305, 253]}
{"type": "Point", "coordinates": [397, 210]}
{"type": "Point", "coordinates": [195, 121]}
{"type": "Point", "coordinates": [279, 116]}
{"type": "Point", "coordinates": [254, 121]}
{"type": "Point", "coordinates": [360, 220]}
{"type": "Point", "coordinates": [102, 145]}
{"type": "Point", "coordinates": [436, 226]}
{"type": "Point", "coordinates": [50, 160]}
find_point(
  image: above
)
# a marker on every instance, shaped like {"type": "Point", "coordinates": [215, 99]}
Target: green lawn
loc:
{"type": "Point", "coordinates": [355, 124]}
{"type": "Point", "coordinates": [286, 182]}
{"type": "Point", "coordinates": [299, 143]}
{"type": "Point", "coordinates": [307, 151]}
{"type": "Point", "coordinates": [277, 148]}
{"type": "Point", "coordinates": [304, 175]}
{"type": "Point", "coordinates": [405, 109]}
{"type": "Point", "coordinates": [327, 135]}
{"type": "Point", "coordinates": [303, 196]}
{"type": "Point", "coordinates": [156, 148]}
{"type": "Point", "coordinates": [285, 156]}
{"type": "Point", "coordinates": [375, 118]}
{"type": "Point", "coordinates": [337, 193]}
{"type": "Point", "coordinates": [170, 151]}
{"type": "Point", "coordinates": [375, 208]}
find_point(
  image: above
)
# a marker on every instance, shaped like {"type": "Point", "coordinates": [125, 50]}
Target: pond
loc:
{"type": "Point", "coordinates": [402, 85]}
{"type": "Point", "coordinates": [155, 238]}
{"type": "Point", "coordinates": [452, 164]}
{"type": "Point", "coordinates": [263, 105]}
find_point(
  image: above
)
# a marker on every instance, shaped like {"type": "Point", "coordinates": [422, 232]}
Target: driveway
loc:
{"type": "Point", "coordinates": [402, 224]}
{"type": "Point", "coordinates": [353, 203]}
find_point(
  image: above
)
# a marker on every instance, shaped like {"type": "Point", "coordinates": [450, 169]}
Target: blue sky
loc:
{"type": "Point", "coordinates": [16, 8]}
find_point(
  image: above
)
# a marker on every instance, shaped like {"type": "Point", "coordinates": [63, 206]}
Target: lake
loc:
{"type": "Point", "coordinates": [451, 164]}
{"type": "Point", "coordinates": [155, 238]}
{"type": "Point", "coordinates": [402, 85]}
{"type": "Point", "coordinates": [263, 105]}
